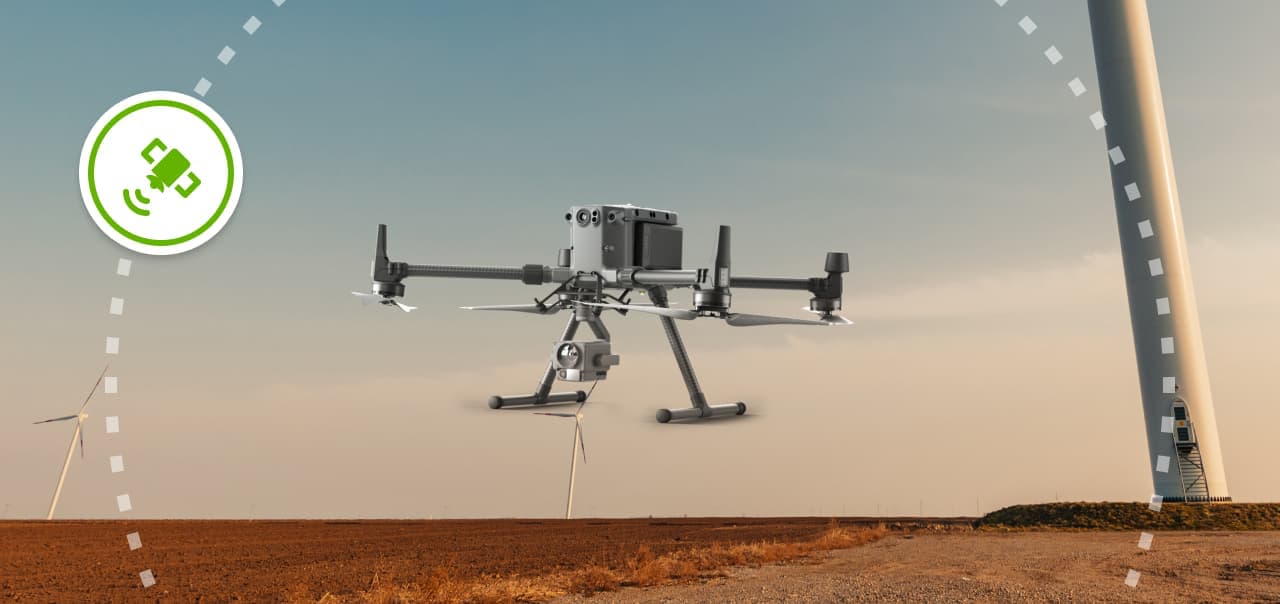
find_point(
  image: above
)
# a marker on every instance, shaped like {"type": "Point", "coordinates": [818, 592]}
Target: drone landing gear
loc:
{"type": "Point", "coordinates": [700, 408]}
{"type": "Point", "coordinates": [543, 395]}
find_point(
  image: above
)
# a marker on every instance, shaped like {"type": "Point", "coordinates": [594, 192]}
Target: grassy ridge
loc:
{"type": "Point", "coordinates": [1128, 516]}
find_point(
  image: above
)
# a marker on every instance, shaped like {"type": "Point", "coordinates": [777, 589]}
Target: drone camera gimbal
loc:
{"type": "Point", "coordinates": [623, 249]}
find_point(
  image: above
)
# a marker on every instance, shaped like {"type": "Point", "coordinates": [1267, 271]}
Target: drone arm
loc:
{"type": "Point", "coordinates": [529, 273]}
{"type": "Point", "coordinates": [771, 283]}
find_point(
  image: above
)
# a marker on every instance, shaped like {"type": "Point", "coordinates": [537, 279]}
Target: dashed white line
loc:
{"type": "Point", "coordinates": [123, 502]}
{"type": "Point", "coordinates": [1076, 86]}
{"type": "Point", "coordinates": [113, 345]}
{"type": "Point", "coordinates": [226, 54]}
{"type": "Point", "coordinates": [1116, 155]}
{"type": "Point", "coordinates": [1097, 120]}
{"type": "Point", "coordinates": [203, 86]}
{"type": "Point", "coordinates": [1131, 191]}
{"type": "Point", "coordinates": [1156, 267]}
{"type": "Point", "coordinates": [117, 464]}
{"type": "Point", "coordinates": [252, 25]}
{"type": "Point", "coordinates": [1145, 230]}
{"type": "Point", "coordinates": [113, 424]}
{"type": "Point", "coordinates": [1027, 25]}
{"type": "Point", "coordinates": [1162, 306]}
{"type": "Point", "coordinates": [1166, 345]}
{"type": "Point", "coordinates": [1053, 55]}
{"type": "Point", "coordinates": [135, 541]}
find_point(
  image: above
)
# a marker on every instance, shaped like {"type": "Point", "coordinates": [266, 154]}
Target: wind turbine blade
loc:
{"type": "Point", "coordinates": [94, 389]}
{"type": "Point", "coordinates": [745, 320]}
{"type": "Point", "coordinates": [80, 432]}
{"type": "Point", "coordinates": [56, 419]}
{"type": "Point", "coordinates": [555, 414]}
{"type": "Point", "coordinates": [673, 313]}
{"type": "Point", "coordinates": [537, 309]}
{"type": "Point", "coordinates": [582, 444]}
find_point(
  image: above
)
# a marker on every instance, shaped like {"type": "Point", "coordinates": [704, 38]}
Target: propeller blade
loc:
{"type": "Point", "coordinates": [537, 309]}
{"type": "Point", "coordinates": [745, 320]}
{"type": "Point", "coordinates": [94, 389]}
{"type": "Point", "coordinates": [367, 298]}
{"type": "Point", "coordinates": [400, 305]}
{"type": "Point", "coordinates": [673, 313]}
{"type": "Point", "coordinates": [829, 318]}
{"type": "Point", "coordinates": [56, 419]}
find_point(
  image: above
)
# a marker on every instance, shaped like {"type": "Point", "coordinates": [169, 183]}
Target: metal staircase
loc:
{"type": "Point", "coordinates": [1195, 487]}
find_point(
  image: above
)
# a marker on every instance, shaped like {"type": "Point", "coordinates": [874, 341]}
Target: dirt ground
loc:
{"type": "Point", "coordinates": [1006, 567]}
{"type": "Point", "coordinates": [218, 561]}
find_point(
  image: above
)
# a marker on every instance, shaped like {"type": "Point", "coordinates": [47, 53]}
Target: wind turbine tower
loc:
{"type": "Point", "coordinates": [1182, 432]}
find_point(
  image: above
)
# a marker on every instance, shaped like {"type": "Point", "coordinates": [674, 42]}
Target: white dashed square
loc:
{"type": "Point", "coordinates": [1162, 464]}
{"type": "Point", "coordinates": [1131, 579]}
{"type": "Point", "coordinates": [1166, 345]}
{"type": "Point", "coordinates": [1157, 501]}
{"type": "Point", "coordinates": [1076, 86]}
{"type": "Point", "coordinates": [1144, 540]}
{"type": "Point", "coordinates": [1145, 230]}
{"type": "Point", "coordinates": [1131, 191]}
{"type": "Point", "coordinates": [1169, 385]}
{"type": "Point", "coordinates": [226, 54]}
{"type": "Point", "coordinates": [1156, 267]}
{"type": "Point", "coordinates": [113, 424]}
{"type": "Point", "coordinates": [116, 307]}
{"type": "Point", "coordinates": [1117, 156]}
{"type": "Point", "coordinates": [113, 345]}
{"type": "Point", "coordinates": [117, 464]}
{"type": "Point", "coordinates": [1053, 55]}
{"type": "Point", "coordinates": [111, 385]}
{"type": "Point", "coordinates": [1027, 25]}
{"type": "Point", "coordinates": [148, 579]}
{"type": "Point", "coordinates": [122, 502]}
{"type": "Point", "coordinates": [1097, 120]}
{"type": "Point", "coordinates": [1166, 424]}
{"type": "Point", "coordinates": [123, 267]}
{"type": "Point", "coordinates": [252, 25]}
{"type": "Point", "coordinates": [203, 86]}
{"type": "Point", "coordinates": [1162, 306]}
{"type": "Point", "coordinates": [135, 541]}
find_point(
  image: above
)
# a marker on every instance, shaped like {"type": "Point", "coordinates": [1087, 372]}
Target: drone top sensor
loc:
{"type": "Point", "coordinates": [614, 251]}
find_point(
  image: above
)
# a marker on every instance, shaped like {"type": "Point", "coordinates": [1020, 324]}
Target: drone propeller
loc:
{"type": "Point", "coordinates": [829, 318]}
{"type": "Point", "coordinates": [367, 299]}
{"type": "Point", "coordinates": [674, 313]}
{"type": "Point", "coordinates": [537, 309]}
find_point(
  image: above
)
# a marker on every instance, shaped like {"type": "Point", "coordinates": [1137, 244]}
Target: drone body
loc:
{"type": "Point", "coordinates": [617, 250]}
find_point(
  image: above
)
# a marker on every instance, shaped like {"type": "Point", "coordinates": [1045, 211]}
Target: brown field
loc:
{"type": "Point", "coordinates": [414, 560]}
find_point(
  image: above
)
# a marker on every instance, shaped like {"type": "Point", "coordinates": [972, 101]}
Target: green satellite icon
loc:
{"type": "Point", "coordinates": [165, 172]}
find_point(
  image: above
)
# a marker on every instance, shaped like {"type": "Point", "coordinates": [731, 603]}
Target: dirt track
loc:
{"type": "Point", "coordinates": [211, 561]}
{"type": "Point", "coordinates": [1006, 567]}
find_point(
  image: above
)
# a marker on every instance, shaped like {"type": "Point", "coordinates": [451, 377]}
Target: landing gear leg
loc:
{"type": "Point", "coordinates": [700, 408]}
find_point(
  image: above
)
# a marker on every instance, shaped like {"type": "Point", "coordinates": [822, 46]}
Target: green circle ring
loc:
{"type": "Point", "coordinates": [226, 149]}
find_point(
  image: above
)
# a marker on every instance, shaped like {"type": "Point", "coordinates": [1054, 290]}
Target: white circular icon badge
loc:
{"type": "Point", "coordinates": [160, 173]}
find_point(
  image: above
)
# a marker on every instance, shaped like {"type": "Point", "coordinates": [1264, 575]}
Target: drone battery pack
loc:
{"type": "Point", "coordinates": [659, 246]}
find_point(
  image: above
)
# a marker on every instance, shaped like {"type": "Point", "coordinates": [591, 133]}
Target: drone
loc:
{"type": "Point", "coordinates": [616, 251]}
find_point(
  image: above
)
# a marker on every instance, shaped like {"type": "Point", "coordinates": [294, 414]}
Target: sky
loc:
{"type": "Point", "coordinates": [991, 363]}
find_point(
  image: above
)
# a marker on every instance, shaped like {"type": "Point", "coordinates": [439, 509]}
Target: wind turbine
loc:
{"type": "Point", "coordinates": [577, 444]}
{"type": "Point", "coordinates": [80, 416]}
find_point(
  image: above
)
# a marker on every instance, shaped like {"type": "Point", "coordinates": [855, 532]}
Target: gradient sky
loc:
{"type": "Point", "coordinates": [992, 362]}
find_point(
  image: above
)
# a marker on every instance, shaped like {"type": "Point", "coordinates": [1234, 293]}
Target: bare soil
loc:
{"type": "Point", "coordinates": [306, 560]}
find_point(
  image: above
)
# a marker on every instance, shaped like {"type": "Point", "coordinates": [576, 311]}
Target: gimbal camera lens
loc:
{"type": "Point", "coordinates": [583, 217]}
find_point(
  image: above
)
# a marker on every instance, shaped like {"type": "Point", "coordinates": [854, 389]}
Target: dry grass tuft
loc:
{"type": "Point", "coordinates": [640, 570]}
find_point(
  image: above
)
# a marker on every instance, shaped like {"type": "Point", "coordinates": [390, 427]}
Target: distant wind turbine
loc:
{"type": "Point", "coordinates": [80, 416]}
{"type": "Point", "coordinates": [577, 445]}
